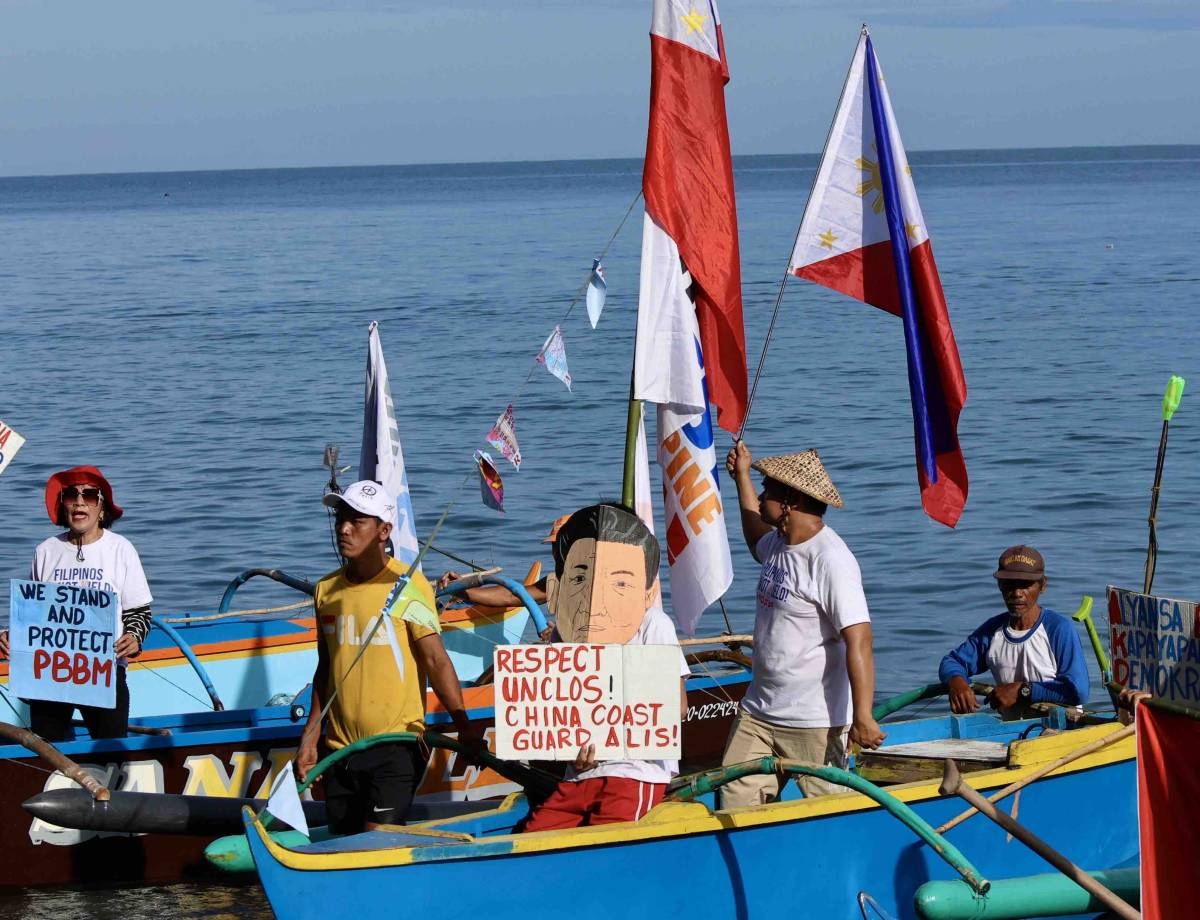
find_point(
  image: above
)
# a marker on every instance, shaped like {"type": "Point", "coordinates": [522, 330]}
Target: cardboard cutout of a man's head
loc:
{"type": "Point", "coordinates": [606, 562]}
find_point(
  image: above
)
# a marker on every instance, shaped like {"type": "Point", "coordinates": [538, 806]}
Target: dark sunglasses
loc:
{"type": "Point", "coordinates": [89, 494]}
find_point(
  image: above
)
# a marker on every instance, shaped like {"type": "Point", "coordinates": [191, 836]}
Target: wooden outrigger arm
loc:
{"type": "Point", "coordinates": [953, 784]}
{"type": "Point", "coordinates": [56, 759]}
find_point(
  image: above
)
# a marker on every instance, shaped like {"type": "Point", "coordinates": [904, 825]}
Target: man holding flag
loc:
{"type": "Point", "coordinates": [814, 669]}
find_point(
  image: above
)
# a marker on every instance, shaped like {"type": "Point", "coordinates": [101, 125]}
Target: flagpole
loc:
{"type": "Point", "coordinates": [787, 273]}
{"type": "Point", "coordinates": [633, 416]}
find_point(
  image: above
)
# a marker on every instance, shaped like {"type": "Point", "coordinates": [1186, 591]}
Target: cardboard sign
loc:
{"type": "Point", "coordinates": [61, 640]}
{"type": "Point", "coordinates": [10, 443]}
{"type": "Point", "coordinates": [1154, 645]}
{"type": "Point", "coordinates": [551, 700]}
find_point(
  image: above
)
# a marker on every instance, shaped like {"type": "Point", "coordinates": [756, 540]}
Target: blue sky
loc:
{"type": "Point", "coordinates": [131, 85]}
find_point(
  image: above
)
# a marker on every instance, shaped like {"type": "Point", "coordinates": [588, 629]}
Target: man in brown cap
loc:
{"type": "Point", "coordinates": [814, 671]}
{"type": "Point", "coordinates": [1033, 653]}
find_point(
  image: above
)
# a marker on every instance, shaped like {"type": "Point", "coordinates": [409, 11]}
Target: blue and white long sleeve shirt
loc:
{"type": "Point", "coordinates": [1048, 656]}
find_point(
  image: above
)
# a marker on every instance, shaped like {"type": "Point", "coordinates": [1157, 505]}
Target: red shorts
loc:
{"type": "Point", "coordinates": [604, 800]}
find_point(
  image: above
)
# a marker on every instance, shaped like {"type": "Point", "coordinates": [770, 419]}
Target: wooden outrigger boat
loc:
{"type": "Point", "coordinates": [819, 857]}
{"type": "Point", "coordinates": [233, 755]}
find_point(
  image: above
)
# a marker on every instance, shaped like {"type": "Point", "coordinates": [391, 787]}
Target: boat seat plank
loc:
{"type": "Point", "coordinates": [952, 748]}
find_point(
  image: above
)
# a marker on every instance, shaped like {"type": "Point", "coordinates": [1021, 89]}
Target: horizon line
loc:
{"type": "Point", "coordinates": [520, 162]}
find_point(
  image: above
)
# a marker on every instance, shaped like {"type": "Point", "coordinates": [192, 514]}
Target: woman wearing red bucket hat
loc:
{"type": "Point", "coordinates": [89, 555]}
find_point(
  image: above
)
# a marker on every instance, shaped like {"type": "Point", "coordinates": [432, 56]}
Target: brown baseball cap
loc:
{"type": "Point", "coordinates": [1021, 563]}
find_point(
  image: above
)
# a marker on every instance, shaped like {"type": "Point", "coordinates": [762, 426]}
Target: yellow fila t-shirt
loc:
{"type": "Point", "coordinates": [373, 696]}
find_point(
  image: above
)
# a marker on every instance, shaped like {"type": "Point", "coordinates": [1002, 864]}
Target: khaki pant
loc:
{"type": "Point", "coordinates": [753, 738]}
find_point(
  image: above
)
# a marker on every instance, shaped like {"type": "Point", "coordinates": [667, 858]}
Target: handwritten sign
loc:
{"type": "Point", "coordinates": [10, 443]}
{"type": "Point", "coordinates": [61, 638]}
{"type": "Point", "coordinates": [1154, 645]}
{"type": "Point", "coordinates": [551, 700]}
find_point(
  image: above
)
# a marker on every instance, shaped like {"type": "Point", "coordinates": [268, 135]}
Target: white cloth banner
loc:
{"type": "Point", "coordinates": [284, 801]}
{"type": "Point", "coordinates": [381, 459]}
{"type": "Point", "coordinates": [665, 366]}
{"type": "Point", "coordinates": [669, 370]}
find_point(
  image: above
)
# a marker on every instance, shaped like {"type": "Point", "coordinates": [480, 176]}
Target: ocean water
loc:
{"type": "Point", "coordinates": [201, 336]}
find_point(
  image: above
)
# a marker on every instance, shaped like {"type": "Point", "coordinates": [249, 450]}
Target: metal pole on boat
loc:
{"type": "Point", "coordinates": [762, 359]}
{"type": "Point", "coordinates": [1170, 403]}
{"type": "Point", "coordinates": [952, 784]}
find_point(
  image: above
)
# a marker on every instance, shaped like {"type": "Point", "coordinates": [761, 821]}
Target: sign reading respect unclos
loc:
{"type": "Point", "coordinates": [551, 700]}
{"type": "Point", "coordinates": [61, 641]}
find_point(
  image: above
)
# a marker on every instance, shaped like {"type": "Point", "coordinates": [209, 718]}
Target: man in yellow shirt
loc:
{"type": "Point", "coordinates": [383, 689]}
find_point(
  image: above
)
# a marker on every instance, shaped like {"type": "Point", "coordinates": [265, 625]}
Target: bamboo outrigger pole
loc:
{"type": "Point", "coordinates": [953, 784]}
{"type": "Point", "coordinates": [1170, 403]}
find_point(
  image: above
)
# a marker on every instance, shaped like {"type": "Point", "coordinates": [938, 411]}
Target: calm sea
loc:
{"type": "Point", "coordinates": [201, 336]}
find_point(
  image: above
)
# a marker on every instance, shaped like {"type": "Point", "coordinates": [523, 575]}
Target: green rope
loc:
{"type": "Point", "coordinates": [703, 783]}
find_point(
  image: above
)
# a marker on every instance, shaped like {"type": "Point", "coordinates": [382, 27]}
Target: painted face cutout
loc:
{"type": "Point", "coordinates": [601, 596]}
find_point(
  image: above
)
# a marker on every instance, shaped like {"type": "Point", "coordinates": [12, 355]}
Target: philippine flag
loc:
{"type": "Point", "coordinates": [690, 341]}
{"type": "Point", "coordinates": [863, 234]}
{"type": "Point", "coordinates": [691, 219]}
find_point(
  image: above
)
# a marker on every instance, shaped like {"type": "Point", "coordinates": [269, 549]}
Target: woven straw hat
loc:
{"type": "Point", "coordinates": [803, 472]}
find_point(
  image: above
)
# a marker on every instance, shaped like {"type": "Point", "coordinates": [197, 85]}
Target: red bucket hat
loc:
{"type": "Point", "coordinates": [79, 476]}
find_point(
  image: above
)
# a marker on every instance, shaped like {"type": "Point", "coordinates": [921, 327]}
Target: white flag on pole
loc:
{"type": "Point", "coordinates": [283, 802]}
{"type": "Point", "coordinates": [382, 459]}
{"type": "Point", "coordinates": [597, 291]}
{"type": "Point", "coordinates": [669, 370]}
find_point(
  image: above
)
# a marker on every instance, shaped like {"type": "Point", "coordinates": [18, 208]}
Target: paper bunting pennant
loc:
{"type": "Point", "coordinates": [10, 443]}
{"type": "Point", "coordinates": [503, 437]}
{"type": "Point", "coordinates": [491, 486]}
{"type": "Point", "coordinates": [596, 292]}
{"type": "Point", "coordinates": [554, 356]}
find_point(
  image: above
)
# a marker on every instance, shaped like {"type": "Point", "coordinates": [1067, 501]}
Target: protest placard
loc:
{"type": "Point", "coordinates": [10, 443]}
{"type": "Point", "coordinates": [1154, 645]}
{"type": "Point", "coordinates": [551, 700]}
{"type": "Point", "coordinates": [61, 641]}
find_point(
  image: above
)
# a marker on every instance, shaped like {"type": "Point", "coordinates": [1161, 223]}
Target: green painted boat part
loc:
{"type": "Point", "coordinates": [885, 708]}
{"type": "Point", "coordinates": [1172, 396]}
{"type": "Point", "coordinates": [232, 853]}
{"type": "Point", "coordinates": [704, 783]}
{"type": "Point", "coordinates": [1049, 895]}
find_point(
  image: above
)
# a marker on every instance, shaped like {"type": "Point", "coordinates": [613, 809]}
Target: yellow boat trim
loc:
{"type": "Point", "coordinates": [674, 819]}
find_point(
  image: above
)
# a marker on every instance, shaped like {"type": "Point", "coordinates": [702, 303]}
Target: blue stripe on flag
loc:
{"type": "Point", "coordinates": [920, 382]}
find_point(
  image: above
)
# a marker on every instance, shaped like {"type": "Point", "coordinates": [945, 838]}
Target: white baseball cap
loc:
{"type": "Point", "coordinates": [365, 497]}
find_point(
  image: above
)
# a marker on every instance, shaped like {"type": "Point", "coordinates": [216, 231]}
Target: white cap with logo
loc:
{"type": "Point", "coordinates": [365, 497]}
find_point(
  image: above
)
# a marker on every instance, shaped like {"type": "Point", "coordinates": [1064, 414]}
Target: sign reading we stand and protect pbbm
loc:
{"type": "Point", "coordinates": [61, 641]}
{"type": "Point", "coordinates": [551, 700]}
{"type": "Point", "coordinates": [1155, 646]}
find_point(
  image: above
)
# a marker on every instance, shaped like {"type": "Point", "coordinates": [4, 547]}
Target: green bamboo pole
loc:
{"type": "Point", "coordinates": [633, 418]}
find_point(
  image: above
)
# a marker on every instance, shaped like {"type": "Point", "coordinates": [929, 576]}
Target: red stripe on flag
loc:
{"type": "Point", "coordinates": [867, 274]}
{"type": "Point", "coordinates": [1168, 765]}
{"type": "Point", "coordinates": [688, 186]}
{"type": "Point", "coordinates": [943, 500]}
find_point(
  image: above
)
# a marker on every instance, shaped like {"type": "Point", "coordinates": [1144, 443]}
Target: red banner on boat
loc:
{"type": "Point", "coordinates": [1168, 787]}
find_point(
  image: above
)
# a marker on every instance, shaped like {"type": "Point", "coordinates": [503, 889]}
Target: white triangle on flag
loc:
{"type": "Point", "coordinates": [284, 801]}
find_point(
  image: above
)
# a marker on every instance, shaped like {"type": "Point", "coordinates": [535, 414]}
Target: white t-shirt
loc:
{"type": "Point", "coordinates": [656, 629]}
{"type": "Point", "coordinates": [807, 594]}
{"type": "Point", "coordinates": [111, 564]}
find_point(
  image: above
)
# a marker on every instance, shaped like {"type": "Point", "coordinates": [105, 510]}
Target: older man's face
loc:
{"type": "Point", "coordinates": [601, 596]}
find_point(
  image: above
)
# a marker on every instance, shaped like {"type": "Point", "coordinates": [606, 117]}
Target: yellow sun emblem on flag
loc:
{"type": "Point", "coordinates": [694, 21]}
{"type": "Point", "coordinates": [873, 183]}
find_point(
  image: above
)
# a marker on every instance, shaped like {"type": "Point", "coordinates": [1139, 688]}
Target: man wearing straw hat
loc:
{"type": "Point", "coordinates": [814, 671]}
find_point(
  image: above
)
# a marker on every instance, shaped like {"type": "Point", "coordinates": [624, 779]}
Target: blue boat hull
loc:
{"type": "Point", "coordinates": [798, 859]}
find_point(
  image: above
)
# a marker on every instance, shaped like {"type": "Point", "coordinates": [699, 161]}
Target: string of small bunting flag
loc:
{"type": "Point", "coordinates": [553, 357]}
